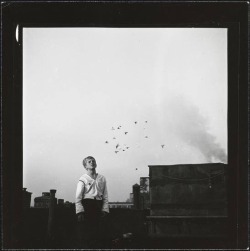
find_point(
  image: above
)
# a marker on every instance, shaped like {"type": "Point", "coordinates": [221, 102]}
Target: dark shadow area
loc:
{"type": "Point", "coordinates": [124, 228]}
{"type": "Point", "coordinates": [119, 223]}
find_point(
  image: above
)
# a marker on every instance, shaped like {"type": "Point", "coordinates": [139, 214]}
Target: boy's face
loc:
{"type": "Point", "coordinates": [90, 164]}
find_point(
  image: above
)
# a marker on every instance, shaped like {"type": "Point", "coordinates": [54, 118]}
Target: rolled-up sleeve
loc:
{"type": "Point", "coordinates": [105, 206]}
{"type": "Point", "coordinates": [79, 195]}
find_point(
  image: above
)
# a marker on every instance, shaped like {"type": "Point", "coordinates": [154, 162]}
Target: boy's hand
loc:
{"type": "Point", "coordinates": [104, 214]}
{"type": "Point", "coordinates": [80, 217]}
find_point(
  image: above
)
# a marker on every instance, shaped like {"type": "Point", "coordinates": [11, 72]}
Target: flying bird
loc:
{"type": "Point", "coordinates": [114, 138]}
{"type": "Point", "coordinates": [116, 151]}
{"type": "Point", "coordinates": [126, 133]}
{"type": "Point", "coordinates": [136, 169]}
{"type": "Point", "coordinates": [146, 121]}
{"type": "Point", "coordinates": [146, 137]}
{"type": "Point", "coordinates": [106, 142]}
{"type": "Point", "coordinates": [117, 146]}
{"type": "Point", "coordinates": [135, 122]}
{"type": "Point", "coordinates": [162, 146]}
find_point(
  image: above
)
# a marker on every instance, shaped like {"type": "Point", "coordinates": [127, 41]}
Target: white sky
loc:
{"type": "Point", "coordinates": [78, 83]}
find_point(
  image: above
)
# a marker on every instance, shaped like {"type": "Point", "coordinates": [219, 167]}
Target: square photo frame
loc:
{"type": "Point", "coordinates": [19, 17]}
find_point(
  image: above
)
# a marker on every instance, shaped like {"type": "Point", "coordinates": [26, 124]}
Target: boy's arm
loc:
{"type": "Point", "coordinates": [105, 206]}
{"type": "Point", "coordinates": [78, 199]}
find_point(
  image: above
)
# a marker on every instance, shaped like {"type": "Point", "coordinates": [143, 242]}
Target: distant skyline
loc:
{"type": "Point", "coordinates": [130, 97]}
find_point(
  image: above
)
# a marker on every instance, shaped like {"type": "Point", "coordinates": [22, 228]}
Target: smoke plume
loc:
{"type": "Point", "coordinates": [193, 128]}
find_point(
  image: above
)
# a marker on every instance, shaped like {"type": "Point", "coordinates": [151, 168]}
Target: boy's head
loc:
{"type": "Point", "coordinates": [89, 162]}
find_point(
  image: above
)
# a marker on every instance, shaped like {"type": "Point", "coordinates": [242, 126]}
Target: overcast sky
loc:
{"type": "Point", "coordinates": [81, 83]}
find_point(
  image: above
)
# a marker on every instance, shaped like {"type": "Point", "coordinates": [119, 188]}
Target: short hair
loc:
{"type": "Point", "coordinates": [85, 160]}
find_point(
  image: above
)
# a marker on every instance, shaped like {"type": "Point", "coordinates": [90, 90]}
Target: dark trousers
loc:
{"type": "Point", "coordinates": [89, 231]}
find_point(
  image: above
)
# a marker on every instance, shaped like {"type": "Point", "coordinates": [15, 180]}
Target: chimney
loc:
{"type": "Point", "coordinates": [51, 222]}
{"type": "Point", "coordinates": [136, 192]}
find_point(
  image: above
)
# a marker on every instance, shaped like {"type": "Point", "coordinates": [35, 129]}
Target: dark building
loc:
{"type": "Point", "coordinates": [26, 198]}
{"type": "Point", "coordinates": [188, 200]}
{"type": "Point", "coordinates": [144, 193]}
{"type": "Point", "coordinates": [140, 195]}
{"type": "Point", "coordinates": [60, 202]}
{"type": "Point", "coordinates": [131, 197]}
{"type": "Point", "coordinates": [43, 201]}
{"type": "Point", "coordinates": [144, 184]}
{"type": "Point", "coordinates": [69, 204]}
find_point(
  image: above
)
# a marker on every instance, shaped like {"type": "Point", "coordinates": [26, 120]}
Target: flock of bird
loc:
{"type": "Point", "coordinates": [123, 147]}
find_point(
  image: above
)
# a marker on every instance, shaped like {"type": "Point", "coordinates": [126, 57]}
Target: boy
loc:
{"type": "Point", "coordinates": [91, 203]}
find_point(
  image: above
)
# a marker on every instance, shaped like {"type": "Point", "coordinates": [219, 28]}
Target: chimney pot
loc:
{"type": "Point", "coordinates": [53, 191]}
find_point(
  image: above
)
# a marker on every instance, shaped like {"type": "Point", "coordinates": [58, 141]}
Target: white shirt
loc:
{"type": "Point", "coordinates": [89, 188]}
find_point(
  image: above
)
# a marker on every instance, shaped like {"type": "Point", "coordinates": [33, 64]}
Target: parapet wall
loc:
{"type": "Point", "coordinates": [188, 200]}
{"type": "Point", "coordinates": [197, 189]}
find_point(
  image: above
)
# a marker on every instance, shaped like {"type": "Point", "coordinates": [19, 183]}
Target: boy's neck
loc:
{"type": "Point", "coordinates": [91, 172]}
